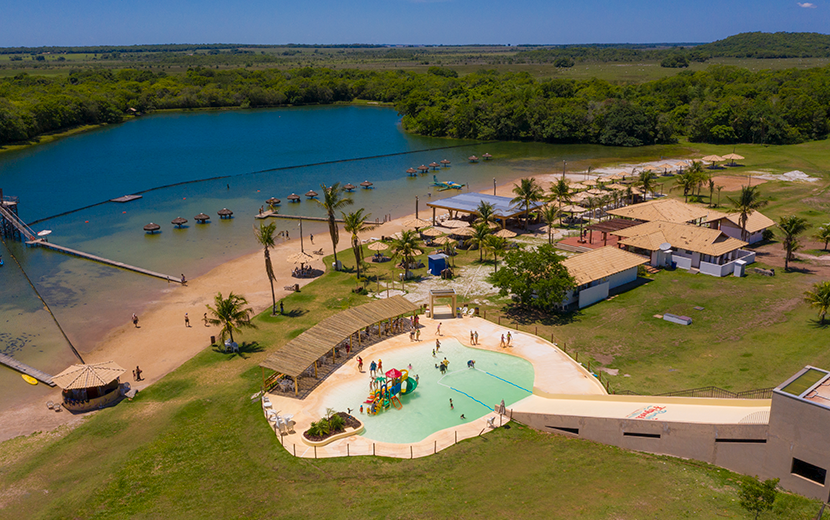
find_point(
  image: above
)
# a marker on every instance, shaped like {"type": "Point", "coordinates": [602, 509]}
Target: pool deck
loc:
{"type": "Point", "coordinates": [555, 373]}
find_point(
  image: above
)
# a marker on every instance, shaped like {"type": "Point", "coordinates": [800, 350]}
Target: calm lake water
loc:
{"type": "Point", "coordinates": [176, 148]}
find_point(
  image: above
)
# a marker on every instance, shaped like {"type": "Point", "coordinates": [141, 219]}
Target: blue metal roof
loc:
{"type": "Point", "coordinates": [468, 202]}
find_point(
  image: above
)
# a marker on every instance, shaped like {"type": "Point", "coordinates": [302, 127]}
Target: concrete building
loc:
{"type": "Point", "coordinates": [694, 248]}
{"type": "Point", "coordinates": [667, 210]}
{"type": "Point", "coordinates": [756, 224]}
{"type": "Point", "coordinates": [785, 437]}
{"type": "Point", "coordinates": [598, 272]}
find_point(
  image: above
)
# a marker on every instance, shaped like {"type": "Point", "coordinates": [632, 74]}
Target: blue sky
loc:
{"type": "Point", "coordinates": [123, 22]}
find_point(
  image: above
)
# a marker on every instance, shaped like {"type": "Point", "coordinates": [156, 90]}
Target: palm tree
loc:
{"type": "Point", "coordinates": [527, 192]}
{"type": "Point", "coordinates": [685, 181]}
{"type": "Point", "coordinates": [698, 174]}
{"type": "Point", "coordinates": [560, 191]}
{"type": "Point", "coordinates": [718, 188]}
{"type": "Point", "coordinates": [479, 236]}
{"type": "Point", "coordinates": [549, 214]}
{"type": "Point", "coordinates": [449, 250]}
{"type": "Point", "coordinates": [355, 223]}
{"type": "Point", "coordinates": [747, 201]}
{"type": "Point", "coordinates": [485, 212]}
{"type": "Point", "coordinates": [819, 297]}
{"type": "Point", "coordinates": [648, 181]}
{"type": "Point", "coordinates": [405, 247]}
{"type": "Point", "coordinates": [711, 190]}
{"type": "Point", "coordinates": [824, 234]}
{"type": "Point", "coordinates": [495, 245]}
{"type": "Point", "coordinates": [265, 236]}
{"type": "Point", "coordinates": [332, 201]}
{"type": "Point", "coordinates": [230, 314]}
{"type": "Point", "coordinates": [791, 226]}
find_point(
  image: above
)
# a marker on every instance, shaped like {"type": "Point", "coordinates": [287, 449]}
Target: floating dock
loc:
{"type": "Point", "coordinates": [113, 263]}
{"type": "Point", "coordinates": [126, 198]}
{"type": "Point", "coordinates": [12, 363]}
{"type": "Point", "coordinates": [294, 217]}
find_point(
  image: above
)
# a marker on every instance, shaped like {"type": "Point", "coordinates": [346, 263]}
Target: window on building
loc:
{"type": "Point", "coordinates": [809, 471]}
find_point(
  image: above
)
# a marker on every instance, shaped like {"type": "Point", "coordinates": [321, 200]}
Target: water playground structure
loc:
{"type": "Point", "coordinates": [445, 185]}
{"type": "Point", "coordinates": [388, 390]}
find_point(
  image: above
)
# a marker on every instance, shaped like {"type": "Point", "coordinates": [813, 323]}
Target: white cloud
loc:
{"type": "Point", "coordinates": [807, 5]}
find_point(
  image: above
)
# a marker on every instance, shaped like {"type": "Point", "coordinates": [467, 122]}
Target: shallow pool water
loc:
{"type": "Point", "coordinates": [474, 392]}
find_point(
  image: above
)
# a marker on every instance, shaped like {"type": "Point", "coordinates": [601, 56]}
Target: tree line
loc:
{"type": "Point", "coordinates": [719, 105]}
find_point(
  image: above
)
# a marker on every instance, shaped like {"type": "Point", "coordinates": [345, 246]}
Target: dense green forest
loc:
{"type": "Point", "coordinates": [720, 105]}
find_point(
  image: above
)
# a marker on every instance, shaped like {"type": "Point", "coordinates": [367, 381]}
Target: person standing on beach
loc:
{"type": "Point", "coordinates": [186, 320]}
{"type": "Point", "coordinates": [509, 337]}
{"type": "Point", "coordinates": [311, 237]}
{"type": "Point", "coordinates": [137, 373]}
{"type": "Point", "coordinates": [417, 334]}
{"type": "Point", "coordinates": [472, 338]}
{"type": "Point", "coordinates": [135, 320]}
{"type": "Point", "coordinates": [359, 364]}
{"type": "Point", "coordinates": [438, 330]}
{"type": "Point", "coordinates": [206, 320]}
{"type": "Point", "coordinates": [501, 343]}
{"type": "Point", "coordinates": [476, 338]}
{"type": "Point", "coordinates": [184, 280]}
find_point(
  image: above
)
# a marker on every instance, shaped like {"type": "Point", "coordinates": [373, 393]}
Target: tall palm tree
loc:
{"type": "Point", "coordinates": [265, 236]}
{"type": "Point", "coordinates": [549, 214]}
{"type": "Point", "coordinates": [791, 226]}
{"type": "Point", "coordinates": [449, 250]}
{"type": "Point", "coordinates": [648, 181]}
{"type": "Point", "coordinates": [686, 182]}
{"type": "Point", "coordinates": [745, 203]}
{"type": "Point", "coordinates": [479, 236]}
{"type": "Point", "coordinates": [819, 297]}
{"type": "Point", "coordinates": [333, 200]}
{"type": "Point", "coordinates": [486, 212]}
{"type": "Point", "coordinates": [718, 188]}
{"type": "Point", "coordinates": [527, 192]}
{"type": "Point", "coordinates": [405, 248]}
{"type": "Point", "coordinates": [560, 191]}
{"type": "Point", "coordinates": [354, 222]}
{"type": "Point", "coordinates": [697, 174]}
{"type": "Point", "coordinates": [824, 234]}
{"type": "Point", "coordinates": [230, 314]}
{"type": "Point", "coordinates": [711, 190]}
{"type": "Point", "coordinates": [495, 245]}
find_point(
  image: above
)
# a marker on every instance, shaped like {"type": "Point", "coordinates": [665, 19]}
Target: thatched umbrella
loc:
{"type": "Point", "coordinates": [442, 240]}
{"type": "Point", "coordinates": [201, 218]}
{"type": "Point", "coordinates": [293, 198]}
{"type": "Point", "coordinates": [311, 194]}
{"type": "Point", "coordinates": [595, 191]}
{"type": "Point", "coordinates": [455, 224]}
{"type": "Point", "coordinates": [423, 168]}
{"type": "Point", "coordinates": [225, 213]}
{"type": "Point", "coordinates": [572, 208]}
{"type": "Point", "coordinates": [432, 232]}
{"type": "Point", "coordinates": [505, 233]}
{"type": "Point", "coordinates": [487, 156]}
{"type": "Point", "coordinates": [377, 246]}
{"type": "Point", "coordinates": [713, 159]}
{"type": "Point", "coordinates": [445, 162]}
{"type": "Point", "coordinates": [472, 158]}
{"type": "Point", "coordinates": [733, 157]}
{"type": "Point", "coordinates": [273, 201]}
{"type": "Point", "coordinates": [463, 232]}
{"type": "Point", "coordinates": [88, 376]}
{"type": "Point", "coordinates": [590, 182]}
{"type": "Point", "coordinates": [349, 187]}
{"type": "Point", "coordinates": [411, 172]}
{"type": "Point", "coordinates": [300, 258]}
{"type": "Point", "coordinates": [152, 228]}
{"type": "Point", "coordinates": [434, 165]}
{"type": "Point", "coordinates": [178, 221]}
{"type": "Point", "coordinates": [366, 185]}
{"type": "Point", "coordinates": [417, 223]}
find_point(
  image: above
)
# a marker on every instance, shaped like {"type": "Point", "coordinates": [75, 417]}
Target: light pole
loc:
{"type": "Point", "coordinates": [494, 186]}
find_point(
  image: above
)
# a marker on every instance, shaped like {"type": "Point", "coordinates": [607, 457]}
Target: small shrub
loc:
{"type": "Point", "coordinates": [768, 234]}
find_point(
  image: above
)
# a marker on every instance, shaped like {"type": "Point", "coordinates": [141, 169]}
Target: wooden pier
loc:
{"type": "Point", "coordinates": [113, 263]}
{"type": "Point", "coordinates": [267, 214]}
{"type": "Point", "coordinates": [14, 364]}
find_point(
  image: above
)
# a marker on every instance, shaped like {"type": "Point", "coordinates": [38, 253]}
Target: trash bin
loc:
{"type": "Point", "coordinates": [213, 340]}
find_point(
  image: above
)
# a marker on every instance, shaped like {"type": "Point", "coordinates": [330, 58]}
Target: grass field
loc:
{"type": "Point", "coordinates": [195, 445]}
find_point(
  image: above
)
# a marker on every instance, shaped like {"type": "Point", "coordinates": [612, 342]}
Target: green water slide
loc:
{"type": "Point", "coordinates": [411, 385]}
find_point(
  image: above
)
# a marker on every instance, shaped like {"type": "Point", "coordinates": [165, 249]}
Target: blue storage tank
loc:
{"type": "Point", "coordinates": [436, 264]}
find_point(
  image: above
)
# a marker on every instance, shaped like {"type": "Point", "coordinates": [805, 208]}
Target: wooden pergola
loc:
{"type": "Point", "coordinates": [296, 356]}
{"type": "Point", "coordinates": [442, 293]}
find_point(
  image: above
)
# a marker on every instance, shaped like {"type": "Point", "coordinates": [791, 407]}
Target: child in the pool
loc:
{"type": "Point", "coordinates": [462, 416]}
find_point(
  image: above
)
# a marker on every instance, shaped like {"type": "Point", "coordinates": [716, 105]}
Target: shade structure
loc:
{"type": "Point", "coordinates": [393, 373]}
{"type": "Point", "coordinates": [463, 232]}
{"type": "Point", "coordinates": [311, 194]}
{"type": "Point", "coordinates": [432, 232]}
{"type": "Point", "coordinates": [487, 156]}
{"type": "Point", "coordinates": [456, 224]}
{"type": "Point", "coordinates": [434, 165]}
{"type": "Point", "coordinates": [88, 376]}
{"type": "Point", "coordinates": [734, 157]}
{"type": "Point", "coordinates": [366, 184]}
{"type": "Point", "coordinates": [595, 192]}
{"type": "Point", "coordinates": [201, 218]}
{"type": "Point", "coordinates": [666, 166]}
{"type": "Point", "coordinates": [300, 258]}
{"type": "Point", "coordinates": [616, 187]}
{"type": "Point", "coordinates": [442, 240]}
{"type": "Point", "coordinates": [682, 164]}
{"type": "Point", "coordinates": [273, 201]}
{"type": "Point", "coordinates": [615, 177]}
{"type": "Point", "coordinates": [152, 228]}
{"type": "Point", "coordinates": [178, 221]}
{"type": "Point", "coordinates": [293, 198]}
{"type": "Point", "coordinates": [472, 158]}
{"type": "Point", "coordinates": [224, 213]}
{"type": "Point", "coordinates": [572, 208]}
{"type": "Point", "coordinates": [349, 187]}
{"type": "Point", "coordinates": [417, 252]}
{"type": "Point", "coordinates": [445, 162]}
{"type": "Point", "coordinates": [377, 246]}
{"type": "Point", "coordinates": [423, 168]}
{"type": "Point", "coordinates": [713, 158]}
{"type": "Point", "coordinates": [590, 182]}
{"type": "Point", "coordinates": [505, 233]}
{"type": "Point", "coordinates": [411, 171]}
{"type": "Point", "coordinates": [417, 223]}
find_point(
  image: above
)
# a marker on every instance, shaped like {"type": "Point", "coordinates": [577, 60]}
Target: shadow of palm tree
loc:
{"type": "Point", "coordinates": [819, 324]}
{"type": "Point", "coordinates": [245, 348]}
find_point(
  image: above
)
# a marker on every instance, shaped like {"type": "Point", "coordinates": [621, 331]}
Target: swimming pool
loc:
{"type": "Point", "coordinates": [474, 392]}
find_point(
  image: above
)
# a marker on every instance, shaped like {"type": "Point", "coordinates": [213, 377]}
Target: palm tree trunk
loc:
{"type": "Point", "coordinates": [333, 232]}
{"type": "Point", "coordinates": [273, 298]}
{"type": "Point", "coordinates": [230, 331]}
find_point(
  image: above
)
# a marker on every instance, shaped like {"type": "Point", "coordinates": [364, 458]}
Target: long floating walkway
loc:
{"type": "Point", "coordinates": [10, 362]}
{"type": "Point", "coordinates": [295, 217]}
{"type": "Point", "coordinates": [121, 265]}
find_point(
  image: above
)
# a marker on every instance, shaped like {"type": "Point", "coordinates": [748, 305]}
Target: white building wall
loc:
{"type": "Point", "coordinates": [622, 278]}
{"type": "Point", "coordinates": [734, 231]}
{"type": "Point", "coordinates": [593, 294]}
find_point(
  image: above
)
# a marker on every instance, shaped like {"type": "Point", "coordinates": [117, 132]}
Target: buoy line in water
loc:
{"type": "Point", "coordinates": [267, 170]}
